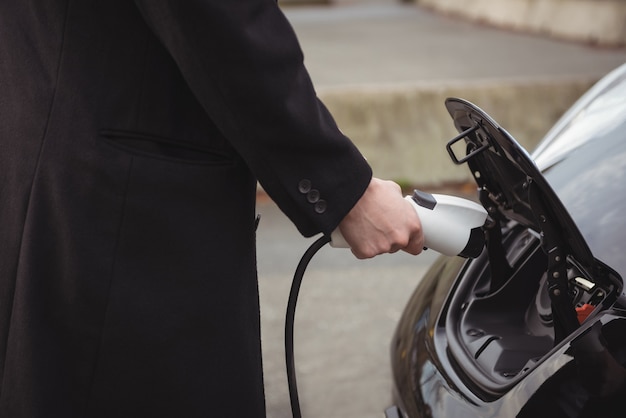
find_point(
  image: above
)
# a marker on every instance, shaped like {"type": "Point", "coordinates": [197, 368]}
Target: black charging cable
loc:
{"type": "Point", "coordinates": [290, 319]}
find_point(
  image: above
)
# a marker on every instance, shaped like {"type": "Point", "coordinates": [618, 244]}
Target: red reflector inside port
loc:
{"type": "Point", "coordinates": [583, 312]}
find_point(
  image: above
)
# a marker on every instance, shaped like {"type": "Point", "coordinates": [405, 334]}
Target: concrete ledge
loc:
{"type": "Point", "coordinates": [403, 130]}
{"type": "Point", "coordinates": [593, 21]}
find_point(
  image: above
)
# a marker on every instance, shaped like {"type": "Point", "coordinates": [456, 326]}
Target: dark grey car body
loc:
{"type": "Point", "coordinates": [490, 337]}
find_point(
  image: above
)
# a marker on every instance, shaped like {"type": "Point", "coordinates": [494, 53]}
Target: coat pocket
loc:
{"type": "Point", "coordinates": [152, 146]}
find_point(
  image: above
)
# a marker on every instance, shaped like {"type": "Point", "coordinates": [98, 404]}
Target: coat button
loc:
{"type": "Point", "coordinates": [320, 206]}
{"type": "Point", "coordinates": [313, 196]}
{"type": "Point", "coordinates": [304, 186]}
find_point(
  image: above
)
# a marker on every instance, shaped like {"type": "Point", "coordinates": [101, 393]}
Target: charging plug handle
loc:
{"type": "Point", "coordinates": [451, 225]}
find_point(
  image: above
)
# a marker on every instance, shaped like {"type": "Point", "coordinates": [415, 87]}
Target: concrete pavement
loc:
{"type": "Point", "coordinates": [346, 313]}
{"type": "Point", "coordinates": [384, 69]}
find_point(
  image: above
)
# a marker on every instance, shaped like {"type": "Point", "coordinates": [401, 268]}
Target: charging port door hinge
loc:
{"type": "Point", "coordinates": [563, 310]}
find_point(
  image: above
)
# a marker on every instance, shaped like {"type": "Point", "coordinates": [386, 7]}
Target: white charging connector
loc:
{"type": "Point", "coordinates": [451, 225]}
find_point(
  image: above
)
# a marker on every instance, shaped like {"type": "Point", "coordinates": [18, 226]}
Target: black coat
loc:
{"type": "Point", "coordinates": [131, 138]}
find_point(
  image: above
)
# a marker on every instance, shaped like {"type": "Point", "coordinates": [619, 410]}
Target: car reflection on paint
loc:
{"type": "Point", "coordinates": [536, 325]}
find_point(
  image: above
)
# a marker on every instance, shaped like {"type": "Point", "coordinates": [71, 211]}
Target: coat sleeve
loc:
{"type": "Point", "coordinates": [243, 62]}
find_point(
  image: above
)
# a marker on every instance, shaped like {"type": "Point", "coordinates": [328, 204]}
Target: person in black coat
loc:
{"type": "Point", "coordinates": [132, 135]}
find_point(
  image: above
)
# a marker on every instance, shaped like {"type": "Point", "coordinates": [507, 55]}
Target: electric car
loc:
{"type": "Point", "coordinates": [535, 326]}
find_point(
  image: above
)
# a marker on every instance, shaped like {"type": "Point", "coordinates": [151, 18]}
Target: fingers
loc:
{"type": "Point", "coordinates": [416, 240]}
{"type": "Point", "coordinates": [408, 239]}
{"type": "Point", "coordinates": [382, 221]}
{"type": "Point", "coordinates": [413, 246]}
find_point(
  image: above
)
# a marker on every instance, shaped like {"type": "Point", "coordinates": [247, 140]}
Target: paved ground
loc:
{"type": "Point", "coordinates": [345, 317]}
{"type": "Point", "coordinates": [385, 69]}
{"type": "Point", "coordinates": [387, 43]}
{"type": "Point", "coordinates": [348, 308]}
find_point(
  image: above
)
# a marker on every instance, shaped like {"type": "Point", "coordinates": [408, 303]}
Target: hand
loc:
{"type": "Point", "coordinates": [382, 221]}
